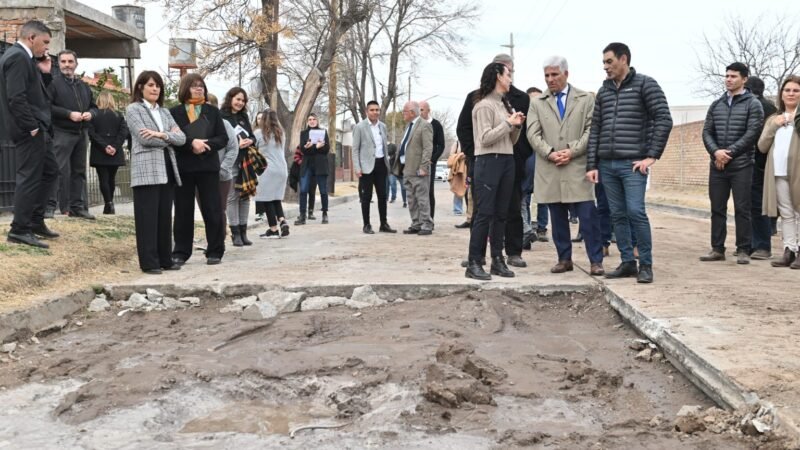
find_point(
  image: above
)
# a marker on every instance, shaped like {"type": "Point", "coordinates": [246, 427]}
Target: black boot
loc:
{"type": "Point", "coordinates": [108, 208]}
{"type": "Point", "coordinates": [626, 269]}
{"type": "Point", "coordinates": [645, 274]}
{"type": "Point", "coordinates": [324, 217]}
{"type": "Point", "coordinates": [311, 215]}
{"type": "Point", "coordinates": [476, 272]}
{"type": "Point", "coordinates": [300, 220]}
{"type": "Point", "coordinates": [499, 267]}
{"type": "Point", "coordinates": [236, 236]}
{"type": "Point", "coordinates": [243, 232]}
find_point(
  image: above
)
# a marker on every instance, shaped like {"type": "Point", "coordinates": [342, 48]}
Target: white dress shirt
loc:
{"type": "Point", "coordinates": [783, 137]}
{"type": "Point", "coordinates": [376, 135]}
{"type": "Point", "coordinates": [155, 113]}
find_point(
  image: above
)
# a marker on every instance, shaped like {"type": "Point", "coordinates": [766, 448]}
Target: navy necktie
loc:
{"type": "Point", "coordinates": [560, 103]}
{"type": "Point", "coordinates": [405, 139]}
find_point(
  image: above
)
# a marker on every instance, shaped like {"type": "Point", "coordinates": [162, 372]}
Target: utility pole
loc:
{"type": "Point", "coordinates": [510, 46]}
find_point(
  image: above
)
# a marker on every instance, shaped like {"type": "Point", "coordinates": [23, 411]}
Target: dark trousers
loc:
{"type": "Point", "coordinates": [274, 210]}
{"type": "Point", "coordinates": [70, 192]}
{"type": "Point", "coordinates": [206, 185]}
{"type": "Point", "coordinates": [152, 214]}
{"type": "Point", "coordinates": [720, 185]}
{"type": "Point", "coordinates": [378, 179]}
{"type": "Point", "coordinates": [36, 171]}
{"type": "Point", "coordinates": [762, 228]}
{"type": "Point", "coordinates": [513, 233]}
{"type": "Point", "coordinates": [308, 183]}
{"type": "Point", "coordinates": [493, 186]}
{"type": "Point", "coordinates": [224, 189]}
{"type": "Point", "coordinates": [106, 177]}
{"type": "Point", "coordinates": [603, 214]}
{"type": "Point", "coordinates": [589, 228]}
{"type": "Point", "coordinates": [431, 196]}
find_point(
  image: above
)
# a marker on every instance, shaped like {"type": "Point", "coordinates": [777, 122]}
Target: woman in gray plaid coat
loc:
{"type": "Point", "coordinates": [154, 172]}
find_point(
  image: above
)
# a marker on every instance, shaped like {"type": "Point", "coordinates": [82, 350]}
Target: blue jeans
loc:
{"type": "Point", "coordinates": [393, 182]}
{"type": "Point", "coordinates": [458, 205]}
{"type": "Point", "coordinates": [603, 214]}
{"type": "Point", "coordinates": [542, 216]}
{"type": "Point", "coordinates": [321, 181]}
{"type": "Point", "coordinates": [625, 190]}
{"type": "Point", "coordinates": [525, 207]}
{"type": "Point", "coordinates": [762, 228]}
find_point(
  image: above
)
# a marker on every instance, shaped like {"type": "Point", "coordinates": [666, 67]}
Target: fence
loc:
{"type": "Point", "coordinates": [8, 166]}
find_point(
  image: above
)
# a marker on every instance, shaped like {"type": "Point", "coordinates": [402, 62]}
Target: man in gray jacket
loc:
{"type": "Point", "coordinates": [414, 165]}
{"type": "Point", "coordinates": [730, 132]}
{"type": "Point", "coordinates": [630, 127]}
{"type": "Point", "coordinates": [371, 165]}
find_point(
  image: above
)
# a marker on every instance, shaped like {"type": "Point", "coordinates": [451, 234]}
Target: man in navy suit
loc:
{"type": "Point", "coordinates": [25, 109]}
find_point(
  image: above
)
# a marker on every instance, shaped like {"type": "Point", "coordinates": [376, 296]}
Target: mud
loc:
{"type": "Point", "coordinates": [486, 369]}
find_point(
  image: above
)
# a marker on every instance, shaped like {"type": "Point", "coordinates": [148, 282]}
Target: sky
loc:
{"type": "Point", "coordinates": [663, 36]}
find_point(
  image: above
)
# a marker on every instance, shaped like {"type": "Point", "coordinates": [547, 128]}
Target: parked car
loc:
{"type": "Point", "coordinates": [442, 171]}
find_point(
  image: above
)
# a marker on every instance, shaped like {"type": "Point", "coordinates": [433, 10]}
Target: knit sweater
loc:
{"type": "Point", "coordinates": [491, 130]}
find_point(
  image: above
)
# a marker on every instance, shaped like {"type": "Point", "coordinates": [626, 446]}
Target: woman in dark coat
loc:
{"type": "Point", "coordinates": [198, 165]}
{"type": "Point", "coordinates": [314, 170]}
{"type": "Point", "coordinates": [107, 133]}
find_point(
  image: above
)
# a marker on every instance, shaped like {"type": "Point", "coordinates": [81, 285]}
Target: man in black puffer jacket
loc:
{"type": "Point", "coordinates": [630, 127]}
{"type": "Point", "coordinates": [730, 133]}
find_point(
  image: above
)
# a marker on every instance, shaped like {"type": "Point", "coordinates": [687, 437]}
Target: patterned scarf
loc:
{"type": "Point", "coordinates": [193, 108]}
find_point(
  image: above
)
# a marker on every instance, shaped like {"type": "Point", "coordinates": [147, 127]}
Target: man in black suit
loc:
{"type": "Point", "coordinates": [438, 146]}
{"type": "Point", "coordinates": [25, 108]}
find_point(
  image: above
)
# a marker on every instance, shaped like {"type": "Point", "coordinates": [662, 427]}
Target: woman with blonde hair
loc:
{"type": "Point", "coordinates": [272, 183]}
{"type": "Point", "coordinates": [107, 133]}
{"type": "Point", "coordinates": [781, 143]}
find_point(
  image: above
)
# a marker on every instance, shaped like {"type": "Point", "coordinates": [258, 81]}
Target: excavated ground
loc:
{"type": "Point", "coordinates": [471, 370]}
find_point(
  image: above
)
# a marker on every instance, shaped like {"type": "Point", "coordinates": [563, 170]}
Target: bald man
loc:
{"type": "Point", "coordinates": [438, 147]}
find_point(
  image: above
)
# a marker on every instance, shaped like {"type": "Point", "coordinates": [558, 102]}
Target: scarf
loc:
{"type": "Point", "coordinates": [193, 108]}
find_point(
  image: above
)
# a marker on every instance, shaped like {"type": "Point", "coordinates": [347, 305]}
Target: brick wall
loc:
{"type": "Point", "coordinates": [9, 28]}
{"type": "Point", "coordinates": [685, 160]}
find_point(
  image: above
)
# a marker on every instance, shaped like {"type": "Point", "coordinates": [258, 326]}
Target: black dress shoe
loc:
{"type": "Point", "coordinates": [152, 271]}
{"type": "Point", "coordinates": [517, 261]}
{"type": "Point", "coordinates": [42, 231]}
{"type": "Point", "coordinates": [425, 232]}
{"type": "Point", "coordinates": [213, 260]}
{"type": "Point", "coordinates": [385, 228]}
{"type": "Point", "coordinates": [178, 260]}
{"type": "Point", "coordinates": [645, 274]}
{"type": "Point", "coordinates": [476, 272]}
{"type": "Point", "coordinates": [81, 214]}
{"type": "Point", "coordinates": [49, 213]}
{"type": "Point", "coordinates": [368, 229]}
{"type": "Point", "coordinates": [172, 267]}
{"type": "Point", "coordinates": [26, 238]}
{"type": "Point", "coordinates": [499, 267]}
{"type": "Point", "coordinates": [626, 269]}
{"type": "Point", "coordinates": [410, 230]}
{"type": "Point", "coordinates": [463, 225]}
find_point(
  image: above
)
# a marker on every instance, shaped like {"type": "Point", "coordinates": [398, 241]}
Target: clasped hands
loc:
{"type": "Point", "coordinates": [721, 158]}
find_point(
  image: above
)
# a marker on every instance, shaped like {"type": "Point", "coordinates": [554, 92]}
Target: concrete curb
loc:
{"type": "Point", "coordinates": [18, 325]}
{"type": "Point", "coordinates": [295, 212]}
{"type": "Point", "coordinates": [684, 210]}
{"type": "Point", "coordinates": [701, 372]}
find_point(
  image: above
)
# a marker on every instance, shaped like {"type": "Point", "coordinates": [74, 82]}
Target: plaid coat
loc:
{"type": "Point", "coordinates": [148, 166]}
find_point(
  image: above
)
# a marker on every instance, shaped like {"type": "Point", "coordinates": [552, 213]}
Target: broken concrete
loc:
{"type": "Point", "coordinates": [283, 301]}
{"type": "Point", "coordinates": [259, 311]}
{"type": "Point", "coordinates": [319, 303]}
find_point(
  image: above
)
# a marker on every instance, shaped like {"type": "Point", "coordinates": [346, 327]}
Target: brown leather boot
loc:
{"type": "Point", "coordinates": [786, 260]}
{"type": "Point", "coordinates": [562, 266]}
{"type": "Point", "coordinates": [597, 269]}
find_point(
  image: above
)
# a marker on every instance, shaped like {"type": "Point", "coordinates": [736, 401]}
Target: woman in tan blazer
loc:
{"type": "Point", "coordinates": [781, 143]}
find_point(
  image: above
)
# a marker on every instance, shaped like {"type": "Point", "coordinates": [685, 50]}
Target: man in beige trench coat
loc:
{"type": "Point", "coordinates": [559, 122]}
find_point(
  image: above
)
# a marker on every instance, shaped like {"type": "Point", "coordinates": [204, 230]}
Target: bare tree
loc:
{"type": "Point", "coordinates": [771, 52]}
{"type": "Point", "coordinates": [230, 29]}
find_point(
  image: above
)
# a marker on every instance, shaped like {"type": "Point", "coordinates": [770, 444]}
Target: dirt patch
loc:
{"type": "Point", "coordinates": [87, 253]}
{"type": "Point", "coordinates": [481, 370]}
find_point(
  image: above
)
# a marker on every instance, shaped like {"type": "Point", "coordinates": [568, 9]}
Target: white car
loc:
{"type": "Point", "coordinates": [442, 171]}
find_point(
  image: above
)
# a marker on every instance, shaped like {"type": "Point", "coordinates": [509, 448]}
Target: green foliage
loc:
{"type": "Point", "coordinates": [17, 249]}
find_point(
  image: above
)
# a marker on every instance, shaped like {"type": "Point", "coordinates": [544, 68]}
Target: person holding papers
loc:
{"type": "Point", "coordinates": [315, 147]}
{"type": "Point", "coordinates": [234, 111]}
{"type": "Point", "coordinates": [198, 165]}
